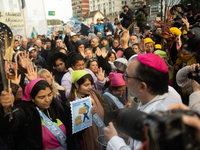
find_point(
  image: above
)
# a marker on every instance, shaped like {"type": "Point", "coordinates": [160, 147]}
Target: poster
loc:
{"type": "Point", "coordinates": [11, 70]}
{"type": "Point", "coordinates": [81, 114]}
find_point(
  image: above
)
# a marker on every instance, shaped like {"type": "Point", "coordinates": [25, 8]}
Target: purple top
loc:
{"type": "Point", "coordinates": [67, 82]}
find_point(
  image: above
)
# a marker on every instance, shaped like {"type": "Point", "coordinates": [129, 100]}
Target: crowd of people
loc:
{"type": "Point", "coordinates": [145, 68]}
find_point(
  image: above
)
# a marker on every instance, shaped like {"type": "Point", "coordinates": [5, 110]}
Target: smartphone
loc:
{"type": "Point", "coordinates": [60, 32]}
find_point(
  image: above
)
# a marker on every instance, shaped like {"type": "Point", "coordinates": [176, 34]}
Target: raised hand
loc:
{"type": "Point", "coordinates": [124, 39]}
{"type": "Point", "coordinates": [142, 46]}
{"type": "Point", "coordinates": [7, 99]}
{"type": "Point", "coordinates": [31, 73]}
{"type": "Point", "coordinates": [100, 74]}
{"type": "Point", "coordinates": [104, 52]}
{"type": "Point", "coordinates": [185, 20]}
{"type": "Point", "coordinates": [25, 61]}
{"type": "Point", "coordinates": [17, 80]}
{"type": "Point", "coordinates": [82, 53]}
{"type": "Point", "coordinates": [68, 30]}
{"type": "Point", "coordinates": [98, 52]}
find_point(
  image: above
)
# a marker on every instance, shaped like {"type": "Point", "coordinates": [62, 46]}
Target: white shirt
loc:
{"type": "Point", "coordinates": [158, 103]}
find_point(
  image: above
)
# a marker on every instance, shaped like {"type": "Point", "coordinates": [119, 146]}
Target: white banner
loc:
{"type": "Point", "coordinates": [14, 20]}
{"type": "Point", "coordinates": [35, 17]}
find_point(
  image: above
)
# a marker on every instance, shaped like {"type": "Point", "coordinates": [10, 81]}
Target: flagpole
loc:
{"type": "Point", "coordinates": [45, 15]}
{"type": "Point", "coordinates": [24, 24]}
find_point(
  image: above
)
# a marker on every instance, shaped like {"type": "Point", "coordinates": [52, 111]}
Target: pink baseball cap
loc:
{"type": "Point", "coordinates": [154, 61]}
{"type": "Point", "coordinates": [116, 79]}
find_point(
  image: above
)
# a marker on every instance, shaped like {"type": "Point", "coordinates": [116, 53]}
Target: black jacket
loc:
{"type": "Point", "coordinates": [128, 52]}
{"type": "Point", "coordinates": [127, 18]}
{"type": "Point", "coordinates": [69, 44]}
{"type": "Point", "coordinates": [26, 124]}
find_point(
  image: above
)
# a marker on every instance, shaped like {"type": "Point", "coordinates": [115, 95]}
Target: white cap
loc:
{"type": "Point", "coordinates": [31, 48]}
{"type": "Point", "coordinates": [18, 47]}
{"type": "Point", "coordinates": [108, 33]}
{"type": "Point", "coordinates": [72, 34]}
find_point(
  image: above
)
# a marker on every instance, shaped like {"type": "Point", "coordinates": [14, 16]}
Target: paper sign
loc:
{"type": "Point", "coordinates": [14, 20]}
{"type": "Point", "coordinates": [81, 114]}
{"type": "Point", "coordinates": [11, 70]}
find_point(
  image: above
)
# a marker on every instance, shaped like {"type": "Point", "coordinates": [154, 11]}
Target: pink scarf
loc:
{"type": "Point", "coordinates": [28, 89]}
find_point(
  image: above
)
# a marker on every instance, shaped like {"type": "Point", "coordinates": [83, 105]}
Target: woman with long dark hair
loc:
{"type": "Point", "coordinates": [39, 121]}
{"type": "Point", "coordinates": [81, 87]}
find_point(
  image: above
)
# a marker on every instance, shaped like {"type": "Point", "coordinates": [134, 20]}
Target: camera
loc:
{"type": "Point", "coordinates": [144, 6]}
{"type": "Point", "coordinates": [125, 10]}
{"type": "Point", "coordinates": [195, 75]}
{"type": "Point", "coordinates": [161, 130]}
{"type": "Point", "coordinates": [198, 17]}
{"type": "Point", "coordinates": [178, 22]}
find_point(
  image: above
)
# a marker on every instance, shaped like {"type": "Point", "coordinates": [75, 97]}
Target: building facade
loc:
{"type": "Point", "coordinates": [106, 7]}
{"type": "Point", "coordinates": [80, 8]}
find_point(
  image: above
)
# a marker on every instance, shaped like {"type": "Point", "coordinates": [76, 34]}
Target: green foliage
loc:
{"type": "Point", "coordinates": [141, 19]}
{"type": "Point", "coordinates": [194, 3]}
{"type": "Point", "coordinates": [54, 22]}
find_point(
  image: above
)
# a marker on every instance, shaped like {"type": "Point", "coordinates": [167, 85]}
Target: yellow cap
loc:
{"type": "Point", "coordinates": [175, 31]}
{"type": "Point", "coordinates": [184, 32]}
{"type": "Point", "coordinates": [148, 40]}
{"type": "Point", "coordinates": [158, 47]}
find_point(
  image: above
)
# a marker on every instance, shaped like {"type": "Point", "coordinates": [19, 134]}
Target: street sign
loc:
{"type": "Point", "coordinates": [51, 13]}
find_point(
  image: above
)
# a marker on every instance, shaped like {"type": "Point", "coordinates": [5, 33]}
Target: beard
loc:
{"type": "Point", "coordinates": [48, 48]}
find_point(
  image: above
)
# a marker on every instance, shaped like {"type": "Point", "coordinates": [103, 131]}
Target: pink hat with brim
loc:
{"type": "Point", "coordinates": [116, 79]}
{"type": "Point", "coordinates": [26, 95]}
{"type": "Point", "coordinates": [154, 61]}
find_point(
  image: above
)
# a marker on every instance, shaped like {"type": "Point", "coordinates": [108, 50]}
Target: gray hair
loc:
{"type": "Point", "coordinates": [38, 40]}
{"type": "Point", "coordinates": [24, 39]}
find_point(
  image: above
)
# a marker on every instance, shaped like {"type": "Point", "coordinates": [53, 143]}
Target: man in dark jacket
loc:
{"type": "Point", "coordinates": [127, 16]}
{"type": "Point", "coordinates": [24, 46]}
{"type": "Point", "coordinates": [142, 9]}
{"type": "Point", "coordinates": [94, 44]}
{"type": "Point", "coordinates": [107, 26]}
{"type": "Point", "coordinates": [70, 44]}
{"type": "Point", "coordinates": [37, 59]}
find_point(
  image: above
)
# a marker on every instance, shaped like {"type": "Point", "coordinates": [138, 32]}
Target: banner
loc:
{"type": "Point", "coordinates": [14, 20]}
{"type": "Point", "coordinates": [35, 17]}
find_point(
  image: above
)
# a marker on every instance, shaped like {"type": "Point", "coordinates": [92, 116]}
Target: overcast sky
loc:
{"type": "Point", "coordinates": [62, 8]}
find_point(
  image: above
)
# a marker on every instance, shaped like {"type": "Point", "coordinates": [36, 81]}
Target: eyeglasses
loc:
{"type": "Point", "coordinates": [125, 77]}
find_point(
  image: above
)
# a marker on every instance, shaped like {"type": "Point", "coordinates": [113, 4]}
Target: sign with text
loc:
{"type": "Point", "coordinates": [14, 20]}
